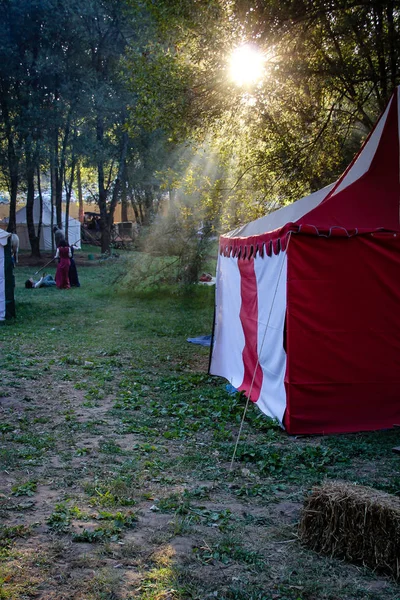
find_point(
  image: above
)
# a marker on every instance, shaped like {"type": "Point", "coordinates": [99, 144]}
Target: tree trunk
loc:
{"type": "Point", "coordinates": [41, 206]}
{"type": "Point", "coordinates": [142, 218]}
{"type": "Point", "coordinates": [67, 201]}
{"type": "Point", "coordinates": [12, 159]}
{"type": "Point", "coordinates": [62, 168]}
{"type": "Point", "coordinates": [106, 237]}
{"type": "Point", "coordinates": [124, 201]}
{"type": "Point", "coordinates": [105, 233]}
{"type": "Point", "coordinates": [135, 209]}
{"type": "Point", "coordinates": [80, 195]}
{"type": "Point", "coordinates": [30, 199]}
{"type": "Point", "coordinates": [105, 229]}
{"type": "Point", "coordinates": [148, 205]}
{"type": "Point", "coordinates": [107, 216]}
{"type": "Point", "coordinates": [58, 179]}
{"type": "Point", "coordinates": [124, 206]}
{"type": "Point", "coordinates": [52, 195]}
{"type": "Point", "coordinates": [12, 220]}
{"type": "Point", "coordinates": [68, 189]}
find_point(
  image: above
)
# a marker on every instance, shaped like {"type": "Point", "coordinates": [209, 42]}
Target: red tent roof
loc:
{"type": "Point", "coordinates": [366, 198]}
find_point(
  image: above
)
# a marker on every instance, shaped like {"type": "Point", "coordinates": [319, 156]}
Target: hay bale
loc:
{"type": "Point", "coordinates": [357, 523]}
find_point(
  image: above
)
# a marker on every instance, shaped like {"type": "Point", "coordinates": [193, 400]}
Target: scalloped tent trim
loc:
{"type": "Point", "coordinates": [274, 242]}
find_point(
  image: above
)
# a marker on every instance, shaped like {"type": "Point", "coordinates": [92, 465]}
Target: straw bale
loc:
{"type": "Point", "coordinates": [357, 523]}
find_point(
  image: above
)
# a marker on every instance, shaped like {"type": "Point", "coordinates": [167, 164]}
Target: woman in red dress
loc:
{"type": "Point", "coordinates": [64, 254]}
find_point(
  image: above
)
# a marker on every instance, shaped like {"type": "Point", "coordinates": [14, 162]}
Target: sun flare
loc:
{"type": "Point", "coordinates": [246, 65]}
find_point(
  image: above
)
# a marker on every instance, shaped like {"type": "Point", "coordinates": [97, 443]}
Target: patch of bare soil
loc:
{"type": "Point", "coordinates": [82, 258]}
{"type": "Point", "coordinates": [71, 452]}
{"type": "Point", "coordinates": [93, 507]}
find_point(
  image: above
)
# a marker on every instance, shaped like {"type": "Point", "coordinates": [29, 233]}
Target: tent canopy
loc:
{"type": "Point", "coordinates": [307, 321]}
{"type": "Point", "coordinates": [363, 200]}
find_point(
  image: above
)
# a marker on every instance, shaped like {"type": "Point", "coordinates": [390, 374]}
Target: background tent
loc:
{"type": "Point", "coordinates": [307, 300]}
{"type": "Point", "coordinates": [7, 304]}
{"type": "Point", "coordinates": [74, 226]}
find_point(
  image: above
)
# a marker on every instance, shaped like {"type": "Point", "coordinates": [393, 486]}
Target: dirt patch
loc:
{"type": "Point", "coordinates": [79, 481]}
{"type": "Point", "coordinates": [115, 477]}
{"type": "Point", "coordinates": [82, 258]}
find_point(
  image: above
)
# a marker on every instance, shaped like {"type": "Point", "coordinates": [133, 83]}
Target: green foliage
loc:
{"type": "Point", "coordinates": [329, 71]}
{"type": "Point", "coordinates": [229, 551]}
{"type": "Point", "coordinates": [6, 427]}
{"type": "Point", "coordinates": [110, 447]}
{"type": "Point", "coordinates": [117, 492]}
{"type": "Point", "coordinates": [311, 462]}
{"type": "Point", "coordinates": [180, 504]}
{"type": "Point", "coordinates": [111, 531]}
{"type": "Point", "coordinates": [159, 442]}
{"type": "Point", "coordinates": [25, 489]}
{"type": "Point", "coordinates": [8, 536]}
{"type": "Point", "coordinates": [157, 68]}
{"type": "Point", "coordinates": [63, 514]}
{"type": "Point", "coordinates": [12, 532]}
{"type": "Point", "coordinates": [65, 96]}
{"type": "Point", "coordinates": [83, 451]}
{"type": "Point", "coordinates": [60, 518]}
{"type": "Point", "coordinates": [76, 79]}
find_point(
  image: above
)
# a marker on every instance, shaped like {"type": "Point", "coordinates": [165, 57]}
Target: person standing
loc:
{"type": "Point", "coordinates": [73, 273]}
{"type": "Point", "coordinates": [62, 275]}
{"type": "Point", "coordinates": [58, 235]}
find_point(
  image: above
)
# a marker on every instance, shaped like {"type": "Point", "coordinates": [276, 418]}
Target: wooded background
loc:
{"type": "Point", "coordinates": [130, 102]}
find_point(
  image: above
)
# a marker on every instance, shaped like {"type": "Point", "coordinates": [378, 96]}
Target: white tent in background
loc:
{"type": "Point", "coordinates": [74, 227]}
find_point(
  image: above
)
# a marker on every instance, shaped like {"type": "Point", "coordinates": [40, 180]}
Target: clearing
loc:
{"type": "Point", "coordinates": [115, 454]}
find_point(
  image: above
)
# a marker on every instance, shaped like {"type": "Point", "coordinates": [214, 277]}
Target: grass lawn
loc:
{"type": "Point", "coordinates": [115, 447]}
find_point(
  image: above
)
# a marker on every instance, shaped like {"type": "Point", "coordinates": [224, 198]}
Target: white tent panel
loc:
{"type": "Point", "coordinates": [22, 232]}
{"type": "Point", "coordinates": [2, 286]}
{"type": "Point", "coordinates": [271, 274]}
{"type": "Point", "coordinates": [3, 241]}
{"type": "Point", "coordinates": [4, 235]}
{"type": "Point", "coordinates": [364, 159]}
{"type": "Point", "coordinates": [229, 339]}
{"type": "Point", "coordinates": [279, 218]}
{"type": "Point", "coordinates": [74, 226]}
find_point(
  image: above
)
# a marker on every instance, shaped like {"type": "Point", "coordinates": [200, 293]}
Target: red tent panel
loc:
{"type": "Point", "coordinates": [343, 334]}
{"type": "Point", "coordinates": [253, 377]}
{"type": "Point", "coordinates": [372, 201]}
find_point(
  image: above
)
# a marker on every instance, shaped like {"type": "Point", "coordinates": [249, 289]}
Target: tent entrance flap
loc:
{"type": "Point", "coordinates": [249, 329]}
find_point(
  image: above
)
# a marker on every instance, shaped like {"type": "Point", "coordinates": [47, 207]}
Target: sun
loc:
{"type": "Point", "coordinates": [247, 65]}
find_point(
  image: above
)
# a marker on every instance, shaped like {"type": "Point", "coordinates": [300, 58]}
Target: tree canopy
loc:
{"type": "Point", "coordinates": [139, 94]}
{"type": "Point", "coordinates": [330, 68]}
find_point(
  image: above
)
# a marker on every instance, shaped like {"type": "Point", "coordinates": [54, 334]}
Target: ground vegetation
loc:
{"type": "Point", "coordinates": [116, 449]}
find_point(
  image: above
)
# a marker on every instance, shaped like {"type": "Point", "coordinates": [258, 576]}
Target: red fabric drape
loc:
{"type": "Point", "coordinates": [343, 334]}
{"type": "Point", "coordinates": [249, 319]}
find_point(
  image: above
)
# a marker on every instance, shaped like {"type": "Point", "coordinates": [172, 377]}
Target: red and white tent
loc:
{"type": "Point", "coordinates": [308, 299]}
